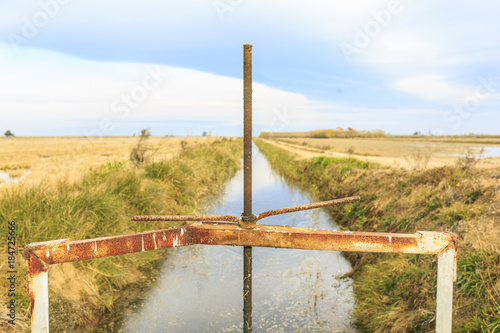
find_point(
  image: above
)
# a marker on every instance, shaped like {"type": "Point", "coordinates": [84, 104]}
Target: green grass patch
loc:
{"type": "Point", "coordinates": [477, 274]}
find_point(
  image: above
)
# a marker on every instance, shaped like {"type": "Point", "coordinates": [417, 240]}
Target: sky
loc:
{"type": "Point", "coordinates": [104, 68]}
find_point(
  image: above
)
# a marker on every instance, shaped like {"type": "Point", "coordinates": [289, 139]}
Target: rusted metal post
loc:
{"type": "Point", "coordinates": [38, 289]}
{"type": "Point", "coordinates": [247, 174]}
{"type": "Point", "coordinates": [247, 128]}
{"type": "Point", "coordinates": [445, 277]}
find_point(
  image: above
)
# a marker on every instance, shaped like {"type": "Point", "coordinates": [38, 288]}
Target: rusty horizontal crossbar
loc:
{"type": "Point", "coordinates": [228, 218]}
{"type": "Point", "coordinates": [39, 255]}
{"type": "Point", "coordinates": [60, 251]}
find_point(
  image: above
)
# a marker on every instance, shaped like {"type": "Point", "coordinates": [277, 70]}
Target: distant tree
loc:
{"type": "Point", "coordinates": [204, 134]}
{"type": "Point", "coordinates": [9, 134]}
{"type": "Point", "coordinates": [417, 133]}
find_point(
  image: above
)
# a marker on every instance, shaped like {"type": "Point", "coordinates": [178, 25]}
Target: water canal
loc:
{"type": "Point", "coordinates": [200, 287]}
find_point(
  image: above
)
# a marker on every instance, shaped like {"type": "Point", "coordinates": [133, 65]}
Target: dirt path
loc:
{"type": "Point", "coordinates": [393, 153]}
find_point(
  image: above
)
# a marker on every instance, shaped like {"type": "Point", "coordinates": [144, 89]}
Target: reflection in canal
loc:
{"type": "Point", "coordinates": [200, 288]}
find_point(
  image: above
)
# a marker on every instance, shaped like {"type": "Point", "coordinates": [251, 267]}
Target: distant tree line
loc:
{"type": "Point", "coordinates": [350, 132]}
{"type": "Point", "coordinates": [338, 132]}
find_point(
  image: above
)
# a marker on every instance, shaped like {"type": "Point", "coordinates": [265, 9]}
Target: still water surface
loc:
{"type": "Point", "coordinates": [200, 288]}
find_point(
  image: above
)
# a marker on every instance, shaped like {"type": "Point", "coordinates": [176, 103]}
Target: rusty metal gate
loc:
{"type": "Point", "coordinates": [242, 231]}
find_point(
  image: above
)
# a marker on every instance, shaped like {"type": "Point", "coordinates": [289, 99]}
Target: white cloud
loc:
{"type": "Point", "coordinates": [43, 89]}
{"type": "Point", "coordinates": [429, 86]}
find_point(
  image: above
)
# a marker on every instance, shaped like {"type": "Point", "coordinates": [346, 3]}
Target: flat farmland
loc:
{"type": "Point", "coordinates": [406, 152]}
{"type": "Point", "coordinates": [29, 160]}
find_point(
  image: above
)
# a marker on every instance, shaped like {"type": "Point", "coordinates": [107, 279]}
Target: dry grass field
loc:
{"type": "Point", "coordinates": [79, 188]}
{"type": "Point", "coordinates": [29, 160]}
{"type": "Point", "coordinates": [405, 152]}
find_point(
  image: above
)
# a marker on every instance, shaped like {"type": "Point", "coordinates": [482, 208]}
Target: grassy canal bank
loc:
{"type": "Point", "coordinates": [99, 204]}
{"type": "Point", "coordinates": [396, 293]}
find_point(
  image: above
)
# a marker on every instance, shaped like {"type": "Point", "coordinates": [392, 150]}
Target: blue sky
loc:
{"type": "Point", "coordinates": [73, 67]}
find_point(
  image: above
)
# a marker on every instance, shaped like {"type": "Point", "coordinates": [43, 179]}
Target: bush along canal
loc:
{"type": "Point", "coordinates": [200, 287]}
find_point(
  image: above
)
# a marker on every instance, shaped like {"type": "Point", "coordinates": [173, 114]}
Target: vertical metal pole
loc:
{"type": "Point", "coordinates": [38, 289]}
{"type": "Point", "coordinates": [445, 277]}
{"type": "Point", "coordinates": [247, 165]}
{"type": "Point", "coordinates": [40, 317]}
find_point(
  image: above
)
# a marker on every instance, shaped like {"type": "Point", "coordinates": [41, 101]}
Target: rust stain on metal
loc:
{"type": "Point", "coordinates": [187, 218]}
{"type": "Point", "coordinates": [232, 234]}
{"type": "Point", "coordinates": [315, 239]}
{"type": "Point", "coordinates": [34, 266]}
{"type": "Point", "coordinates": [308, 206]}
{"type": "Point", "coordinates": [246, 221]}
{"type": "Point", "coordinates": [66, 251]}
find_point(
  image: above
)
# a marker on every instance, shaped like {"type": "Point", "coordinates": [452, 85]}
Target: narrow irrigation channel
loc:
{"type": "Point", "coordinates": [200, 287]}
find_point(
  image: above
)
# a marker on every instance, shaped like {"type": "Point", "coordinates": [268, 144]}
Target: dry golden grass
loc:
{"type": "Point", "coordinates": [352, 133]}
{"type": "Point", "coordinates": [33, 159]}
{"type": "Point", "coordinates": [394, 152]}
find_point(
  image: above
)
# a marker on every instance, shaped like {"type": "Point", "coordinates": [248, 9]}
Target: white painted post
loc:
{"type": "Point", "coordinates": [40, 311]}
{"type": "Point", "coordinates": [445, 277]}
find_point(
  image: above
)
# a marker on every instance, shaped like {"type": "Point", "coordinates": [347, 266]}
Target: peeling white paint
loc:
{"type": "Point", "coordinates": [154, 239]}
{"type": "Point", "coordinates": [164, 236]}
{"type": "Point", "coordinates": [67, 247]}
{"type": "Point", "coordinates": [48, 254]}
{"type": "Point", "coordinates": [182, 232]}
{"type": "Point", "coordinates": [390, 239]}
{"type": "Point", "coordinates": [95, 247]}
{"type": "Point", "coordinates": [142, 238]}
{"type": "Point", "coordinates": [40, 287]}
